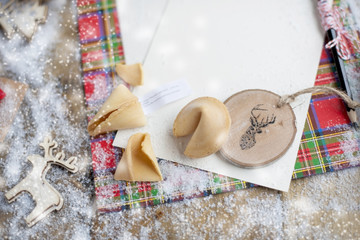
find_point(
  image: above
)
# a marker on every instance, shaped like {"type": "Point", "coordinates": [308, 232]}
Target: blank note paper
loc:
{"type": "Point", "coordinates": [223, 47]}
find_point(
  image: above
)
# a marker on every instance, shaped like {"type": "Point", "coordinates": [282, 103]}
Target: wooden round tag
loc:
{"type": "Point", "coordinates": [260, 131]}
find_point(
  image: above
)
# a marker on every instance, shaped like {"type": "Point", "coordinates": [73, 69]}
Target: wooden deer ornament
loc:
{"type": "Point", "coordinates": [22, 16]}
{"type": "Point", "coordinates": [46, 197]}
{"type": "Point", "coordinates": [261, 131]}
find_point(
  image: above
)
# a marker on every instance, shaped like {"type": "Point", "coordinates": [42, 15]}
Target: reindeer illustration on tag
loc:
{"type": "Point", "coordinates": [46, 197]}
{"type": "Point", "coordinates": [248, 140]}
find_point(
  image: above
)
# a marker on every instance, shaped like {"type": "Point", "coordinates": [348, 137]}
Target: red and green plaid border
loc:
{"type": "Point", "coordinates": [328, 142]}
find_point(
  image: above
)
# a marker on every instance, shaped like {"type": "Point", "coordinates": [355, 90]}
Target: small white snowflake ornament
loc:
{"type": "Point", "coordinates": [46, 197]}
{"type": "Point", "coordinates": [22, 16]}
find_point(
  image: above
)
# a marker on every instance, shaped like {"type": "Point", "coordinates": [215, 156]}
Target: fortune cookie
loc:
{"type": "Point", "coordinates": [132, 74]}
{"type": "Point", "coordinates": [209, 120]}
{"type": "Point", "coordinates": [122, 110]}
{"type": "Point", "coordinates": [138, 162]}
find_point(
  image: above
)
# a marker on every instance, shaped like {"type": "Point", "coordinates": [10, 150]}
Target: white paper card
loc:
{"type": "Point", "coordinates": [223, 47]}
{"type": "Point", "coordinates": [138, 23]}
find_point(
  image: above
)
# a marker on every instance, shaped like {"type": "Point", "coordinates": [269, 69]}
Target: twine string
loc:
{"type": "Point", "coordinates": [286, 99]}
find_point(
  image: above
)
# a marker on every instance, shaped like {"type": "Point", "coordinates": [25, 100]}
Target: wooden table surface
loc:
{"type": "Point", "coordinates": [319, 207]}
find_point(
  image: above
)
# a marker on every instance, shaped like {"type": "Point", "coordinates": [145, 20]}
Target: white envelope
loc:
{"type": "Point", "coordinates": [223, 47]}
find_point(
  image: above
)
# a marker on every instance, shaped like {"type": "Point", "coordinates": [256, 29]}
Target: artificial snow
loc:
{"type": "Point", "coordinates": [320, 207]}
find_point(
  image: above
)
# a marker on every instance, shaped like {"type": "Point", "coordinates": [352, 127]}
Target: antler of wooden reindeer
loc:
{"type": "Point", "coordinates": [49, 145]}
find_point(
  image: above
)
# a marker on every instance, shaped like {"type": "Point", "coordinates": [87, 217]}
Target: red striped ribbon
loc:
{"type": "Point", "coordinates": [331, 19]}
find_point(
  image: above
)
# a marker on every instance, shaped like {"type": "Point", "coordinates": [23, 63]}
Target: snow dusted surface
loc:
{"type": "Point", "coordinates": [46, 110]}
{"type": "Point", "coordinates": [319, 207]}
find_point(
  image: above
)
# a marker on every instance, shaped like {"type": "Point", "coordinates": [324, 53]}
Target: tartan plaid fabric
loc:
{"type": "Point", "coordinates": [328, 142]}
